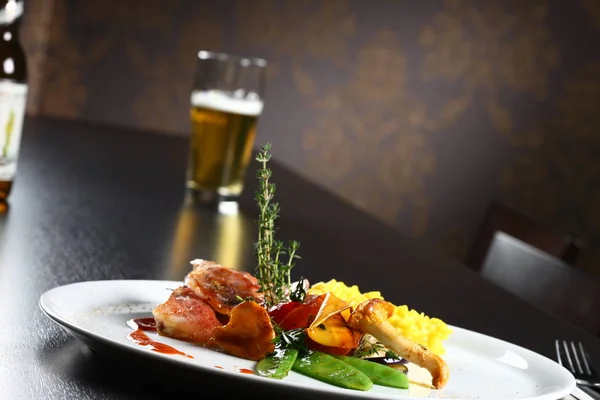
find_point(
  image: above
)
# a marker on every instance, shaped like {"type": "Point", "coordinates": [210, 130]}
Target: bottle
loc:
{"type": "Point", "coordinates": [13, 92]}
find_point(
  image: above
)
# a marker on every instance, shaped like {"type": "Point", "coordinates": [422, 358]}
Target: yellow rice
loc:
{"type": "Point", "coordinates": [429, 332]}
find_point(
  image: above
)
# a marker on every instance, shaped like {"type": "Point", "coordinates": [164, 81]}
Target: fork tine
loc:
{"type": "Point", "coordinates": [558, 351]}
{"type": "Point", "coordinates": [576, 356]}
{"type": "Point", "coordinates": [573, 356]}
{"type": "Point", "coordinates": [564, 349]}
{"type": "Point", "coordinates": [585, 356]}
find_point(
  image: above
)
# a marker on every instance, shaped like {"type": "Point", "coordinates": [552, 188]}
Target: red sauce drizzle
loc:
{"type": "Point", "coordinates": [246, 371]}
{"type": "Point", "coordinates": [218, 366]}
{"type": "Point", "coordinates": [139, 337]}
{"type": "Point", "coordinates": [146, 324]}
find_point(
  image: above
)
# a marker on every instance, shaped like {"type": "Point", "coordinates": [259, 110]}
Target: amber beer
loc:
{"type": "Point", "coordinates": [223, 132]}
{"type": "Point", "coordinates": [13, 92]}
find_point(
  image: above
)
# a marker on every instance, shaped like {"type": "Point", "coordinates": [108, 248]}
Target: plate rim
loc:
{"type": "Point", "coordinates": [76, 330]}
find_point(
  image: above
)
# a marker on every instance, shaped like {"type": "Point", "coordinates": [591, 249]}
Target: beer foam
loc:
{"type": "Point", "coordinates": [221, 101]}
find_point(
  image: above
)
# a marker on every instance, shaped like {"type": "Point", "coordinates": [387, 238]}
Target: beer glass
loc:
{"type": "Point", "coordinates": [226, 101]}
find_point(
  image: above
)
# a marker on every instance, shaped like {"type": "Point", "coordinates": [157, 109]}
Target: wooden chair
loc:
{"type": "Point", "coordinates": [544, 281]}
{"type": "Point", "coordinates": [500, 218]}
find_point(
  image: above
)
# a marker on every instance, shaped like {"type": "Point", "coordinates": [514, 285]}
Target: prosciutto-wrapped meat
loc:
{"type": "Point", "coordinates": [222, 288]}
{"type": "Point", "coordinates": [218, 307]}
{"type": "Point", "coordinates": [185, 316]}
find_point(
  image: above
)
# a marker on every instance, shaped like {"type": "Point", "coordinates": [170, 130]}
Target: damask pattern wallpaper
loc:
{"type": "Point", "coordinates": [419, 112]}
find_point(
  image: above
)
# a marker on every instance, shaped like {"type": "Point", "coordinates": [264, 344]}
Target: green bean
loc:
{"type": "Point", "coordinates": [379, 374]}
{"type": "Point", "coordinates": [278, 364]}
{"type": "Point", "coordinates": [330, 370]}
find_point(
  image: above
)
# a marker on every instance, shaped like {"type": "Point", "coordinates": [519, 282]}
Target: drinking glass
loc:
{"type": "Point", "coordinates": [226, 102]}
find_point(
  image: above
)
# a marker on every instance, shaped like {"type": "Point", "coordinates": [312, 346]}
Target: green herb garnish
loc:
{"type": "Point", "coordinates": [392, 355]}
{"type": "Point", "coordinates": [272, 272]}
{"type": "Point", "coordinates": [294, 338]}
{"type": "Point", "coordinates": [299, 294]}
{"type": "Point", "coordinates": [370, 347]}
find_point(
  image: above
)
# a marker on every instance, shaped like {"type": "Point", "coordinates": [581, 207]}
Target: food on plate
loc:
{"type": "Point", "coordinates": [186, 316]}
{"type": "Point", "coordinates": [372, 317]}
{"type": "Point", "coordinates": [418, 327]}
{"type": "Point", "coordinates": [379, 374]}
{"type": "Point", "coordinates": [209, 310]}
{"type": "Point", "coordinates": [248, 334]}
{"type": "Point", "coordinates": [311, 331]}
{"type": "Point", "coordinates": [277, 364]}
{"type": "Point", "coordinates": [327, 331]}
{"type": "Point", "coordinates": [222, 287]}
{"type": "Point", "coordinates": [329, 369]}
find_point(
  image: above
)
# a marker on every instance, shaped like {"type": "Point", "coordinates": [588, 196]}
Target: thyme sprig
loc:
{"type": "Point", "coordinates": [370, 347]}
{"type": "Point", "coordinates": [272, 272]}
{"type": "Point", "coordinates": [367, 347]}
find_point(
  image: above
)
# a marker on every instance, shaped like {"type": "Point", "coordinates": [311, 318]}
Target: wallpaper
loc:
{"type": "Point", "coordinates": [418, 112]}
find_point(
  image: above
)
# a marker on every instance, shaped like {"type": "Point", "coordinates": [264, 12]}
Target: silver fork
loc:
{"type": "Point", "coordinates": [573, 356]}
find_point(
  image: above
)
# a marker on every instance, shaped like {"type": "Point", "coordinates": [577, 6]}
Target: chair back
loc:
{"type": "Point", "coordinates": [543, 280]}
{"type": "Point", "coordinates": [498, 217]}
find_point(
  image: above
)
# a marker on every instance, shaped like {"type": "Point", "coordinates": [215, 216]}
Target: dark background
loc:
{"type": "Point", "coordinates": [419, 112]}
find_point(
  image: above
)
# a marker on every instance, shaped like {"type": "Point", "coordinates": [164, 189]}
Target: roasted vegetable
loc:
{"type": "Point", "coordinates": [371, 317]}
{"type": "Point", "coordinates": [302, 315]}
{"type": "Point", "coordinates": [329, 327]}
{"type": "Point", "coordinates": [280, 311]}
{"type": "Point", "coordinates": [325, 325]}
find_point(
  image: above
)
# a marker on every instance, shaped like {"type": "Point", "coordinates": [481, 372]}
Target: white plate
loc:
{"type": "Point", "coordinates": [481, 367]}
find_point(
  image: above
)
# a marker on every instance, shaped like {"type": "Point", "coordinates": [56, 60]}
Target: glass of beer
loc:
{"type": "Point", "coordinates": [226, 102]}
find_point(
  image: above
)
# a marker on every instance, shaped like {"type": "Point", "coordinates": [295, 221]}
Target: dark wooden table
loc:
{"type": "Point", "coordinates": [95, 202]}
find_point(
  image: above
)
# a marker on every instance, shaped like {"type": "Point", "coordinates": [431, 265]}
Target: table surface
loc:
{"type": "Point", "coordinates": [95, 202]}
